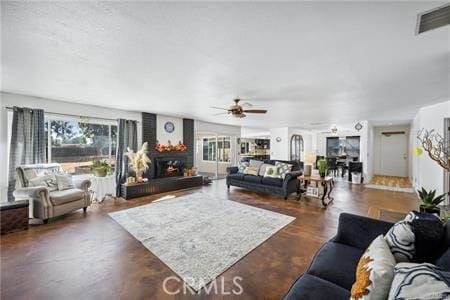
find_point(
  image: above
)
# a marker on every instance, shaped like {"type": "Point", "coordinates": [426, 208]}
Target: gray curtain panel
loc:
{"type": "Point", "coordinates": [27, 142]}
{"type": "Point", "coordinates": [126, 137]}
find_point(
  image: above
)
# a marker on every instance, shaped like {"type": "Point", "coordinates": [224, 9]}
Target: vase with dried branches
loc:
{"type": "Point", "coordinates": [139, 161]}
{"type": "Point", "coordinates": [438, 149]}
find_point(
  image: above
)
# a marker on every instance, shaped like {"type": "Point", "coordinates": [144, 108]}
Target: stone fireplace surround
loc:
{"type": "Point", "coordinates": [149, 131]}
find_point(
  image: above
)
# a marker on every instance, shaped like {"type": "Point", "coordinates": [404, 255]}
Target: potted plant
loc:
{"type": "Point", "coordinates": [101, 168]}
{"type": "Point", "coordinates": [430, 202]}
{"type": "Point", "coordinates": [323, 168]}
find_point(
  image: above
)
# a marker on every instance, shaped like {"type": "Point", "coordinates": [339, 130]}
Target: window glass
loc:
{"type": "Point", "coordinates": [223, 151]}
{"type": "Point", "coordinates": [76, 145]}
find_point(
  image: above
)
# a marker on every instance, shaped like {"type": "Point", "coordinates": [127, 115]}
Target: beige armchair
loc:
{"type": "Point", "coordinates": [45, 202]}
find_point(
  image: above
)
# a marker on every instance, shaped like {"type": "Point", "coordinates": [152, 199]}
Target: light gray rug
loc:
{"type": "Point", "coordinates": [199, 236]}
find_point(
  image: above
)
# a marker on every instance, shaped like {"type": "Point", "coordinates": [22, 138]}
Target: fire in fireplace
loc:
{"type": "Point", "coordinates": [166, 167]}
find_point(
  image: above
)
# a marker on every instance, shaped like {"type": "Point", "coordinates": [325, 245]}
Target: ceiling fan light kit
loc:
{"type": "Point", "coordinates": [238, 111]}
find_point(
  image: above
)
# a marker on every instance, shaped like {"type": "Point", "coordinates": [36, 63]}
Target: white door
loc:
{"type": "Point", "coordinates": [394, 155]}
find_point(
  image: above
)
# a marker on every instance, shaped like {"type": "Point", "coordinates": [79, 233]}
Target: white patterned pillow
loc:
{"type": "Point", "coordinates": [242, 166]}
{"type": "Point", "coordinates": [251, 171]}
{"type": "Point", "coordinates": [374, 272]}
{"type": "Point", "coordinates": [419, 281]}
{"type": "Point", "coordinates": [283, 168]}
{"type": "Point", "coordinates": [64, 182]}
{"type": "Point", "coordinates": [48, 181]}
{"type": "Point", "coordinates": [262, 169]}
{"type": "Point", "coordinates": [400, 239]}
{"type": "Point", "coordinates": [272, 171]}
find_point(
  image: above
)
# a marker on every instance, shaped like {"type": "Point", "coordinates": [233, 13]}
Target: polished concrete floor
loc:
{"type": "Point", "coordinates": [89, 256]}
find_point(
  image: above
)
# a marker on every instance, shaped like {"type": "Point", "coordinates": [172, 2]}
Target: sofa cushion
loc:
{"type": "Point", "coordinates": [429, 238]}
{"type": "Point", "coordinates": [443, 262]}
{"type": "Point", "coordinates": [419, 281]}
{"type": "Point", "coordinates": [311, 287]}
{"type": "Point", "coordinates": [262, 169]}
{"type": "Point", "coordinates": [66, 196]}
{"type": "Point", "coordinates": [236, 176]}
{"type": "Point", "coordinates": [252, 178]}
{"type": "Point", "coordinates": [375, 272]}
{"type": "Point", "coordinates": [255, 163]}
{"type": "Point", "coordinates": [336, 263]}
{"type": "Point", "coordinates": [400, 239]}
{"type": "Point", "coordinates": [272, 181]}
{"type": "Point", "coordinates": [251, 171]}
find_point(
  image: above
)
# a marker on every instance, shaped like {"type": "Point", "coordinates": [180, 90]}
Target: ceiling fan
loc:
{"type": "Point", "coordinates": [239, 111]}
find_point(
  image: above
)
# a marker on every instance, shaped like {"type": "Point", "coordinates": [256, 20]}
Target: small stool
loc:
{"type": "Point", "coordinates": [14, 216]}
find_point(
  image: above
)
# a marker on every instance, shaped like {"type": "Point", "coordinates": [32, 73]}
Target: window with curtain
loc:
{"type": "Point", "coordinates": [77, 144]}
{"type": "Point", "coordinates": [223, 149]}
{"type": "Point", "coordinates": [297, 148]}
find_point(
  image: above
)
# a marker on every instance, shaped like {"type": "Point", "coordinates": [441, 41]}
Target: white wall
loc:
{"type": "Point", "coordinates": [162, 136]}
{"type": "Point", "coordinates": [9, 100]}
{"type": "Point", "coordinates": [425, 172]}
{"type": "Point", "coordinates": [225, 130]}
{"type": "Point", "coordinates": [249, 132]}
{"type": "Point", "coordinates": [281, 150]}
{"type": "Point", "coordinates": [377, 144]}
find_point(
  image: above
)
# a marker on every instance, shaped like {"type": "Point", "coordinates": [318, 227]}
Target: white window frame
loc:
{"type": "Point", "coordinates": [51, 117]}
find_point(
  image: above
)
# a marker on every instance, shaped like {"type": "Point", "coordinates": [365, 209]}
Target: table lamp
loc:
{"type": "Point", "coordinates": [310, 159]}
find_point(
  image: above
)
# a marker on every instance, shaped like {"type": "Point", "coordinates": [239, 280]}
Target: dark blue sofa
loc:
{"type": "Point", "coordinates": [332, 271]}
{"type": "Point", "coordinates": [275, 186]}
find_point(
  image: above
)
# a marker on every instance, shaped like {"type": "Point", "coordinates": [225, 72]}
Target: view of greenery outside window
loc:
{"type": "Point", "coordinates": [76, 145]}
{"type": "Point", "coordinates": [223, 147]}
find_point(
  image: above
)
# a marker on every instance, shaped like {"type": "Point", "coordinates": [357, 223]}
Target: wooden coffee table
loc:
{"type": "Point", "coordinates": [326, 182]}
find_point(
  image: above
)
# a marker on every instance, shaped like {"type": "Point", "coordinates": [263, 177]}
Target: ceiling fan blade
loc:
{"type": "Point", "coordinates": [256, 111]}
{"type": "Point", "coordinates": [222, 113]}
{"type": "Point", "coordinates": [215, 107]}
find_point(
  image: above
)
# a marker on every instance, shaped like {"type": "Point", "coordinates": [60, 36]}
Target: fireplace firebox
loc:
{"type": "Point", "coordinates": [168, 167]}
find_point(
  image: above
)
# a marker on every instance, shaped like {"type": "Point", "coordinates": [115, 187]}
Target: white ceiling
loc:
{"type": "Point", "coordinates": [305, 62]}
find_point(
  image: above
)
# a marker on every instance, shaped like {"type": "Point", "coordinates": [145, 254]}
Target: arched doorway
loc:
{"type": "Point", "coordinates": [297, 147]}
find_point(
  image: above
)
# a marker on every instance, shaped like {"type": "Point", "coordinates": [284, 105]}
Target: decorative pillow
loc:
{"type": "Point", "coordinates": [272, 171]}
{"type": "Point", "coordinates": [251, 171]}
{"type": "Point", "coordinates": [64, 182]}
{"type": "Point", "coordinates": [255, 163]}
{"type": "Point", "coordinates": [429, 238]}
{"type": "Point", "coordinates": [374, 273]}
{"type": "Point", "coordinates": [262, 169]}
{"type": "Point", "coordinates": [29, 174]}
{"type": "Point", "coordinates": [48, 181]}
{"type": "Point", "coordinates": [419, 281]}
{"type": "Point", "coordinates": [283, 168]}
{"type": "Point", "coordinates": [242, 166]}
{"type": "Point", "coordinates": [400, 239]}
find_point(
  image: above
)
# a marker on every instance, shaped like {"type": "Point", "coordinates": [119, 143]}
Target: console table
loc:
{"type": "Point", "coordinates": [326, 182]}
{"type": "Point", "coordinates": [159, 185]}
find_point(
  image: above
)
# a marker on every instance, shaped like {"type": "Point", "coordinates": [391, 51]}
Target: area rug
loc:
{"type": "Point", "coordinates": [390, 188]}
{"type": "Point", "coordinates": [199, 236]}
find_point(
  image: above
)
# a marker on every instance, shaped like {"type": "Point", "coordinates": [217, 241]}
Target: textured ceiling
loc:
{"type": "Point", "coordinates": [304, 62]}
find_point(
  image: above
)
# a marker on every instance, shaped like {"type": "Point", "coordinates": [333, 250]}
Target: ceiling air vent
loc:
{"type": "Point", "coordinates": [433, 19]}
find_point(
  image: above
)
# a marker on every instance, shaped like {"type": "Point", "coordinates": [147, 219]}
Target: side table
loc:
{"type": "Point", "coordinates": [326, 182]}
{"type": "Point", "coordinates": [102, 187]}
